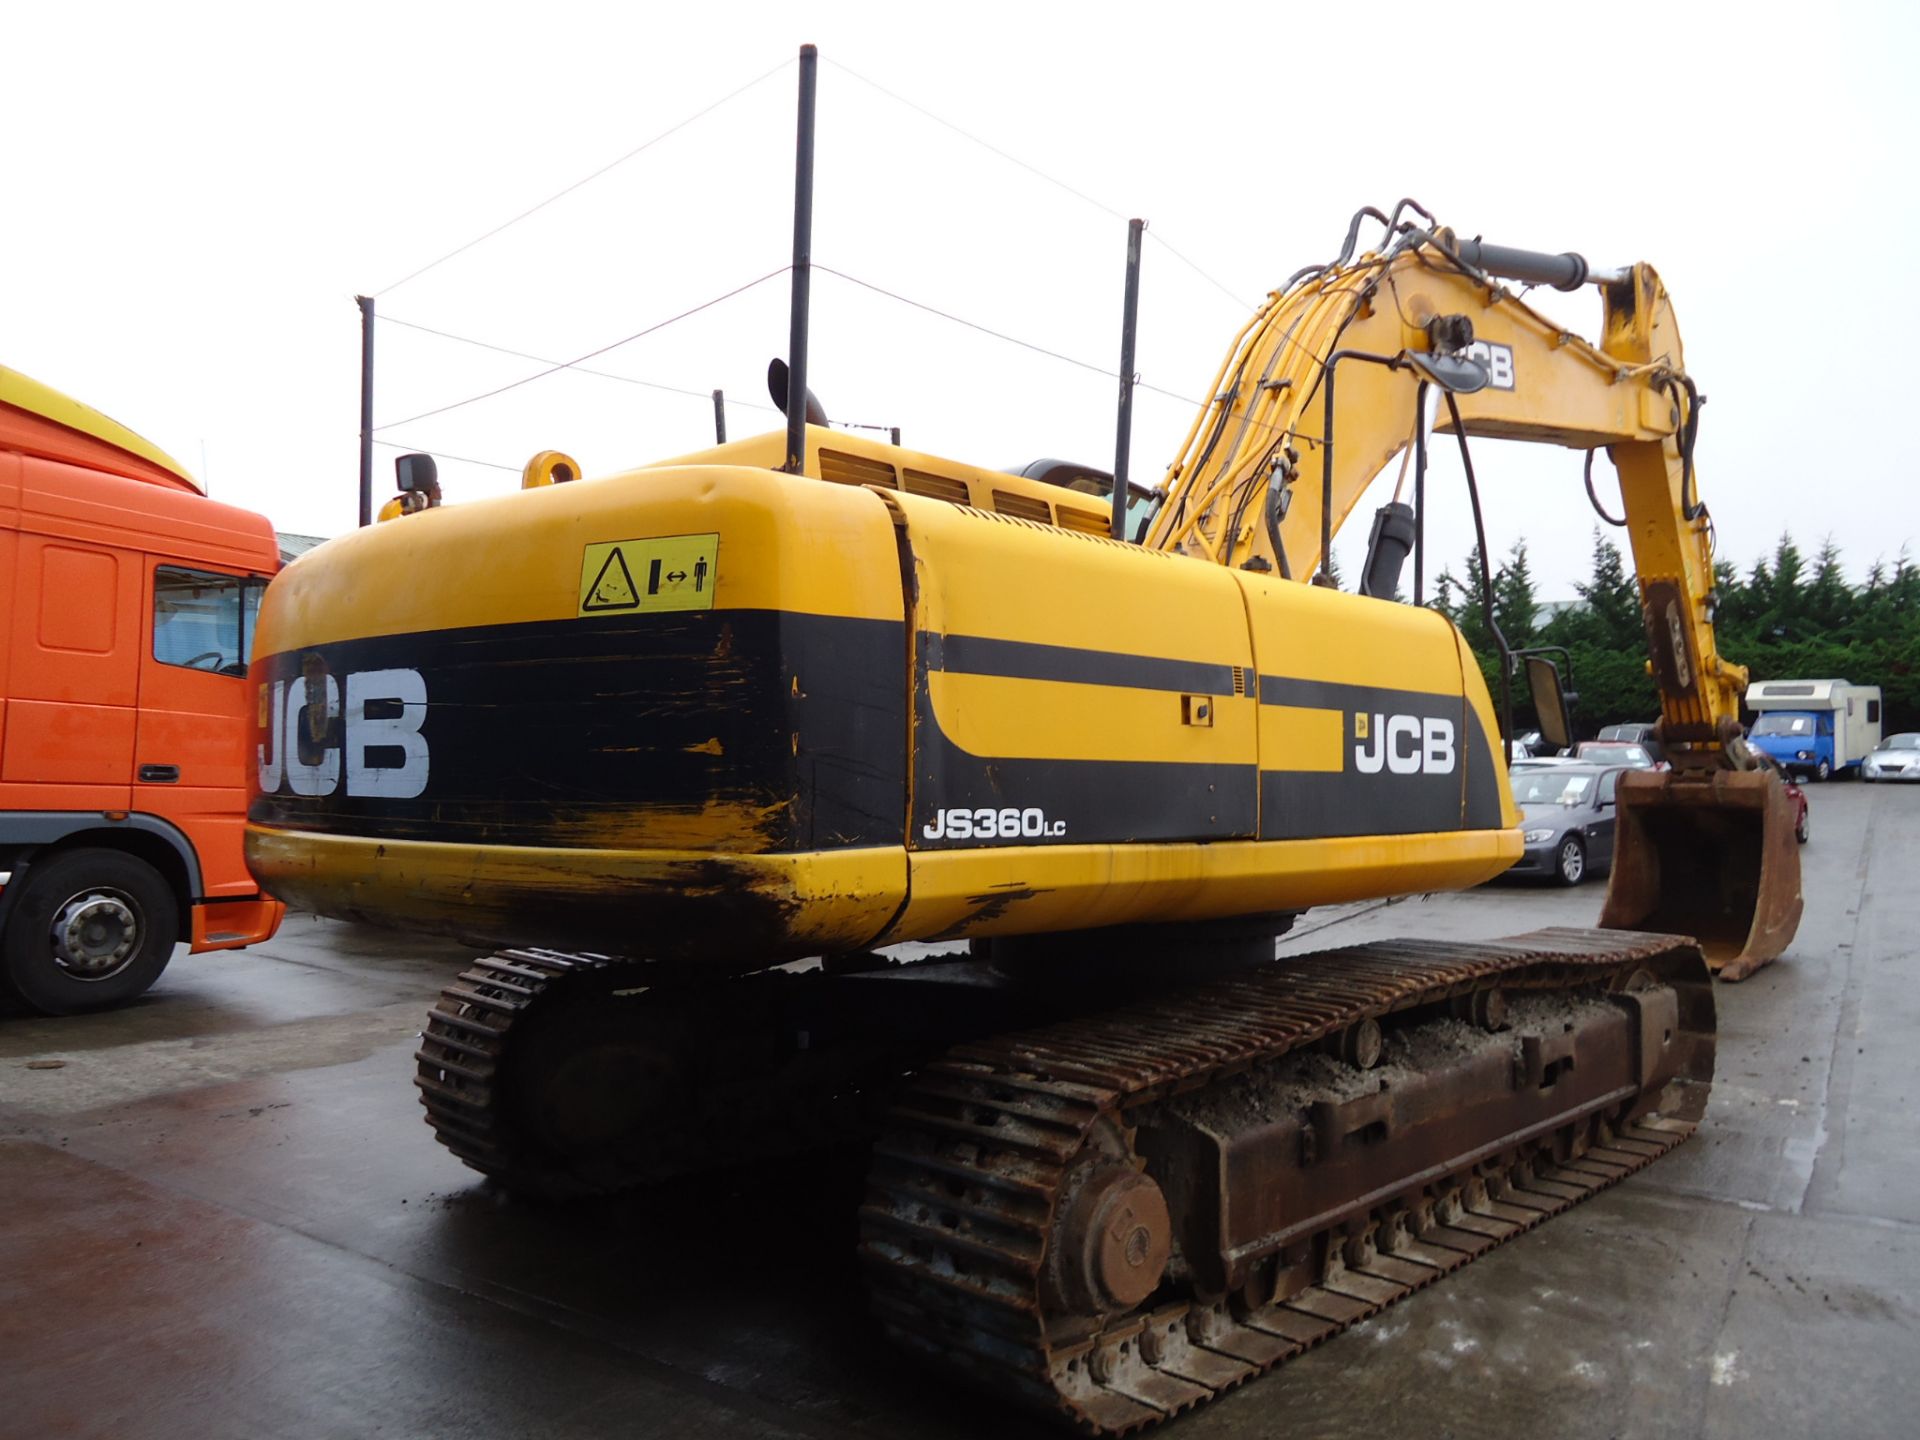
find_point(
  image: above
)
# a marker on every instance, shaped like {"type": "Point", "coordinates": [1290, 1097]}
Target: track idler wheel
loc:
{"type": "Point", "coordinates": [1111, 1241]}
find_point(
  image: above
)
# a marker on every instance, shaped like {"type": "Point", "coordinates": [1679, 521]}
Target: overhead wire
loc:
{"type": "Point", "coordinates": [442, 455]}
{"type": "Point", "coordinates": [602, 350]}
{"type": "Point", "coordinates": [1040, 174]}
{"type": "Point", "coordinates": [577, 369]}
{"type": "Point", "coordinates": [553, 367]}
{"type": "Point", "coordinates": [585, 180]}
{"type": "Point", "coordinates": [996, 334]}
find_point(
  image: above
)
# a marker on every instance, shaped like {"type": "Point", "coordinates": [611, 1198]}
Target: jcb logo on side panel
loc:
{"type": "Point", "coordinates": [1403, 744]}
{"type": "Point", "coordinates": [374, 738]}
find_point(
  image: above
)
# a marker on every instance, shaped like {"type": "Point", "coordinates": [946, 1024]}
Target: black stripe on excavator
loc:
{"type": "Point", "coordinates": [1296, 804]}
{"type": "Point", "coordinates": [1090, 801]}
{"type": "Point", "coordinates": [610, 732]}
{"type": "Point", "coordinates": [1066, 664]}
{"type": "Point", "coordinates": [1121, 802]}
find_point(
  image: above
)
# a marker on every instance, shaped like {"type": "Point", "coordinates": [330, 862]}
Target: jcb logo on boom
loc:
{"type": "Point", "coordinates": [1498, 360]}
{"type": "Point", "coordinates": [375, 739]}
{"type": "Point", "coordinates": [1402, 744]}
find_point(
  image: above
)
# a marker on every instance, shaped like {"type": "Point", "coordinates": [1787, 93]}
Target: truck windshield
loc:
{"type": "Point", "coordinates": [203, 620]}
{"type": "Point", "coordinates": [1783, 725]}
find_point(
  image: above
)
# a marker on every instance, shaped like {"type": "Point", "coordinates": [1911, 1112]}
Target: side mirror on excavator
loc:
{"type": "Point", "coordinates": [1460, 374]}
{"type": "Point", "coordinates": [1551, 703]}
{"type": "Point", "coordinates": [417, 475]}
{"type": "Point", "coordinates": [418, 480]}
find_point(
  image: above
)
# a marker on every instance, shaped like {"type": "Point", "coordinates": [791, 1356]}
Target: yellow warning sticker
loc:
{"type": "Point", "coordinates": [670, 572]}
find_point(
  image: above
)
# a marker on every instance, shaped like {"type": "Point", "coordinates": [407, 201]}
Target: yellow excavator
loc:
{"type": "Point", "coordinates": [691, 743]}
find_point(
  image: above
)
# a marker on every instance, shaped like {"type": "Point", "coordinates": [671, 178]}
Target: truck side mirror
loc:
{"type": "Point", "coordinates": [1549, 701]}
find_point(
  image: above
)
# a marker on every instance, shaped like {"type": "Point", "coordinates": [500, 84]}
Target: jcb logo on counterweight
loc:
{"type": "Point", "coordinates": [1402, 744]}
{"type": "Point", "coordinates": [374, 738]}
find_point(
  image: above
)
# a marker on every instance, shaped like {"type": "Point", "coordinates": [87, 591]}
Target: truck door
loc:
{"type": "Point", "coordinates": [9, 566]}
{"type": "Point", "coordinates": [191, 753]}
{"type": "Point", "coordinates": [73, 677]}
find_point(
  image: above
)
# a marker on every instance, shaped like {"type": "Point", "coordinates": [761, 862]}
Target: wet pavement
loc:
{"type": "Point", "coordinates": [222, 1216]}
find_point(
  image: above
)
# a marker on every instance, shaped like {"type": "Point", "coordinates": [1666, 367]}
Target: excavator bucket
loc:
{"type": "Point", "coordinates": [1711, 855]}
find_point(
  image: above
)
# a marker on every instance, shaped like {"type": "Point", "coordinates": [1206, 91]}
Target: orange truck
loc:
{"type": "Point", "coordinates": [127, 601]}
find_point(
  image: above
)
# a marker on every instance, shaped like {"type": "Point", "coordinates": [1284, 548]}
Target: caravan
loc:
{"type": "Point", "coordinates": [1815, 727]}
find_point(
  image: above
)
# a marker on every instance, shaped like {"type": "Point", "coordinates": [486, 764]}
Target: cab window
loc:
{"type": "Point", "coordinates": [203, 620]}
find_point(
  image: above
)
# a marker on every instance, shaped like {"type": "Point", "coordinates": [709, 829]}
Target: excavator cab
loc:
{"type": "Point", "coordinates": [1706, 852]}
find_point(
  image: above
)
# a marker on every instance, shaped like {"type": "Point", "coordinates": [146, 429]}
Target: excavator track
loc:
{"type": "Point", "coordinates": [570, 1074]}
{"type": "Point", "coordinates": [467, 1034]}
{"type": "Point", "coordinates": [562, 1075]}
{"type": "Point", "coordinates": [1114, 1220]}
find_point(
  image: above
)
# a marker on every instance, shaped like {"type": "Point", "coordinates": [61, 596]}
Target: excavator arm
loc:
{"type": "Point", "coordinates": [1331, 381]}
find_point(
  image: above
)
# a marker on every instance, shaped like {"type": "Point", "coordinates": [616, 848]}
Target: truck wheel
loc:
{"type": "Point", "coordinates": [1570, 865]}
{"type": "Point", "coordinates": [89, 929]}
{"type": "Point", "coordinates": [1823, 772]}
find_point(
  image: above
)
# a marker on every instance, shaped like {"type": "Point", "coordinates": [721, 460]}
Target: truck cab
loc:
{"type": "Point", "coordinates": [127, 600]}
{"type": "Point", "coordinates": [1814, 728]}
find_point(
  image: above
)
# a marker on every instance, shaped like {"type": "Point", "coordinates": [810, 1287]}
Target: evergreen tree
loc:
{"type": "Point", "coordinates": [1747, 603]}
{"type": "Point", "coordinates": [1903, 587]}
{"type": "Point", "coordinates": [1515, 605]}
{"type": "Point", "coordinates": [1788, 565]}
{"type": "Point", "coordinates": [1779, 622]}
{"type": "Point", "coordinates": [1827, 603]}
{"type": "Point", "coordinates": [1612, 597]}
{"type": "Point", "coordinates": [1782, 619]}
{"type": "Point", "coordinates": [1460, 601]}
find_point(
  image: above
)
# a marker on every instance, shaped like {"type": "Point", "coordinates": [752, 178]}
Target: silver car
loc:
{"type": "Point", "coordinates": [1895, 758]}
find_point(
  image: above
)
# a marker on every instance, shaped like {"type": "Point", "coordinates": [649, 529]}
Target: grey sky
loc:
{"type": "Point", "coordinates": [194, 193]}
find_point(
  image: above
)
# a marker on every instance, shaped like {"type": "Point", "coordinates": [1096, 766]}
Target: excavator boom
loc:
{"type": "Point", "coordinates": [1328, 384]}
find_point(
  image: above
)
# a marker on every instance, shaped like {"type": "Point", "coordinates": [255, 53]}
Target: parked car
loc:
{"type": "Point", "coordinates": [1608, 752]}
{"type": "Point", "coordinates": [1567, 812]}
{"type": "Point", "coordinates": [1639, 733]}
{"type": "Point", "coordinates": [1796, 797]}
{"type": "Point", "coordinates": [1532, 743]}
{"type": "Point", "coordinates": [1895, 758]}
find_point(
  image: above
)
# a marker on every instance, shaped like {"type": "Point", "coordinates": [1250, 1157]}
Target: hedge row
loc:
{"type": "Point", "coordinates": [1778, 620]}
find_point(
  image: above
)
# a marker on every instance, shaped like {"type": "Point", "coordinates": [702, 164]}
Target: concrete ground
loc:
{"type": "Point", "coordinates": [221, 1215]}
